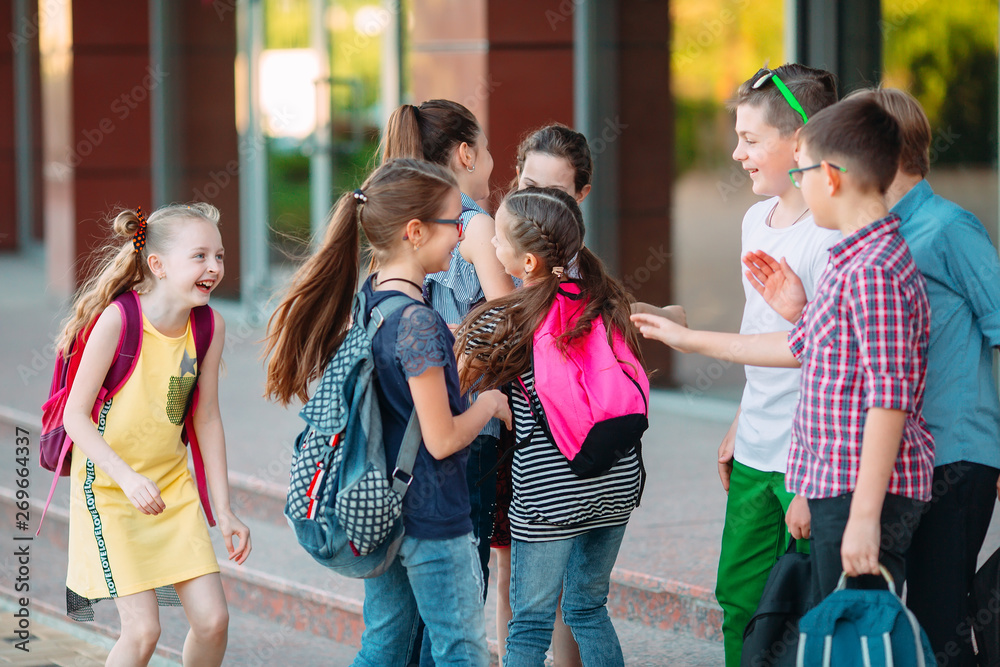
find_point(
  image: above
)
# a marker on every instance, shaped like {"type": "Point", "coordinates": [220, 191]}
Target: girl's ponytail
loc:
{"type": "Point", "coordinates": [122, 266]}
{"type": "Point", "coordinates": [312, 319]}
{"type": "Point", "coordinates": [402, 135]}
{"type": "Point", "coordinates": [609, 300]}
{"type": "Point", "coordinates": [429, 132]}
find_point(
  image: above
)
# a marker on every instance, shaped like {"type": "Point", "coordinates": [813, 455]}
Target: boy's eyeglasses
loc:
{"type": "Point", "coordinates": [449, 221]}
{"type": "Point", "coordinates": [798, 183]}
{"type": "Point", "coordinates": [764, 75]}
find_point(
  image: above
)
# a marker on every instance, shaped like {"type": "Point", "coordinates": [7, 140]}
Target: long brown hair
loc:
{"type": "Point", "coordinates": [546, 222]}
{"type": "Point", "coordinates": [311, 321]}
{"type": "Point", "coordinates": [558, 140]}
{"type": "Point", "coordinates": [120, 268]}
{"type": "Point", "coordinates": [430, 131]}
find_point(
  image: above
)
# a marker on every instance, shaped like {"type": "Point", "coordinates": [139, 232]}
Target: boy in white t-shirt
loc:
{"type": "Point", "coordinates": [770, 107]}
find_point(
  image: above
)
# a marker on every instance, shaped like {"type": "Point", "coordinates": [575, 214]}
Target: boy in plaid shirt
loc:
{"type": "Point", "coordinates": [861, 452]}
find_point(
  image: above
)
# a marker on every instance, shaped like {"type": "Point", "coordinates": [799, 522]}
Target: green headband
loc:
{"type": "Point", "coordinates": [782, 88]}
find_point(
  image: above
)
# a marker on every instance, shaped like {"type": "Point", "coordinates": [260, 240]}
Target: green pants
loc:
{"type": "Point", "coordinates": [753, 538]}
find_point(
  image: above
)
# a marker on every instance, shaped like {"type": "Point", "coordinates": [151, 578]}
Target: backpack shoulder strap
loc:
{"type": "Point", "coordinates": [203, 330]}
{"type": "Point", "coordinates": [402, 475]}
{"type": "Point", "coordinates": [129, 345]}
{"type": "Point", "coordinates": [385, 309]}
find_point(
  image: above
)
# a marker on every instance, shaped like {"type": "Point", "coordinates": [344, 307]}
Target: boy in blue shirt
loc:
{"type": "Point", "coordinates": [954, 253]}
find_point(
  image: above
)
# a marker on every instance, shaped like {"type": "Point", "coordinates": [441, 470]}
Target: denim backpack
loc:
{"type": "Point", "coordinates": [343, 504]}
{"type": "Point", "coordinates": [863, 627]}
{"type": "Point", "coordinates": [56, 448]}
{"type": "Point", "coordinates": [592, 393]}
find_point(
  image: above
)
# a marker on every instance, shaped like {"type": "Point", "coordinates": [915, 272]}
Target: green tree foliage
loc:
{"type": "Point", "coordinates": [717, 45]}
{"type": "Point", "coordinates": [945, 54]}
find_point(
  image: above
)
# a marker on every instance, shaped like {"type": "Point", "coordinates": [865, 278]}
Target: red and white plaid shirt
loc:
{"type": "Point", "coordinates": [862, 343]}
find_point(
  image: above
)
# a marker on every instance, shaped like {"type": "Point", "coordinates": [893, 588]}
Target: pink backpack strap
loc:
{"type": "Point", "coordinates": [126, 356]}
{"type": "Point", "coordinates": [203, 328]}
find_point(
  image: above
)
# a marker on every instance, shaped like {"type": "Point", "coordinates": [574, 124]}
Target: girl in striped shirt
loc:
{"type": "Point", "coordinates": [564, 528]}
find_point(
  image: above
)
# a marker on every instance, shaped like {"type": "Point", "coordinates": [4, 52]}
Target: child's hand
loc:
{"type": "Point", "coordinates": [860, 547]}
{"type": "Point", "coordinates": [726, 450]}
{"type": "Point", "coordinates": [672, 313]}
{"type": "Point", "coordinates": [777, 283]}
{"type": "Point", "coordinates": [798, 519]}
{"type": "Point", "coordinates": [663, 330]}
{"type": "Point", "coordinates": [501, 409]}
{"type": "Point", "coordinates": [143, 493]}
{"type": "Point", "coordinates": [230, 526]}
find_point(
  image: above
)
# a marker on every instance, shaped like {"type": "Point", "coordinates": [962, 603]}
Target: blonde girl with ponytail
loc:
{"type": "Point", "coordinates": [409, 213]}
{"type": "Point", "coordinates": [137, 531]}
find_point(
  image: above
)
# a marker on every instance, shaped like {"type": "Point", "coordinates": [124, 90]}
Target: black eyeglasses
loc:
{"type": "Point", "coordinates": [764, 75]}
{"type": "Point", "coordinates": [449, 221]}
{"type": "Point", "coordinates": [798, 183]}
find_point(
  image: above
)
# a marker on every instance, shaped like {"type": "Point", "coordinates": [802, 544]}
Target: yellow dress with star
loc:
{"type": "Point", "coordinates": [114, 549]}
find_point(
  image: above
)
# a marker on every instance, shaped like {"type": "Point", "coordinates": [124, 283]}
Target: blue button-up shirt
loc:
{"type": "Point", "coordinates": [953, 251]}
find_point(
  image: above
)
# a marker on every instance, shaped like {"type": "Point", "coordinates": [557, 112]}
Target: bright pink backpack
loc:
{"type": "Point", "coordinates": [55, 446]}
{"type": "Point", "coordinates": [594, 395]}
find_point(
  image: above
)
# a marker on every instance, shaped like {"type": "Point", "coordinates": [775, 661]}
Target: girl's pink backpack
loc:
{"type": "Point", "coordinates": [55, 446]}
{"type": "Point", "coordinates": [594, 396]}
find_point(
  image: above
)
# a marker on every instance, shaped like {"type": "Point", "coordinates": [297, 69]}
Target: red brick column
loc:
{"type": "Point", "coordinates": [110, 142]}
{"type": "Point", "coordinates": [206, 126]}
{"type": "Point", "coordinates": [645, 159]}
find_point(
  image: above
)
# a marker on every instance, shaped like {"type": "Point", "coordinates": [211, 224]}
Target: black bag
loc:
{"type": "Point", "coordinates": [985, 596]}
{"type": "Point", "coordinates": [772, 635]}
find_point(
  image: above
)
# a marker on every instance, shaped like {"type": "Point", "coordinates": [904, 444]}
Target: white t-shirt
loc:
{"type": "Point", "coordinates": [763, 434]}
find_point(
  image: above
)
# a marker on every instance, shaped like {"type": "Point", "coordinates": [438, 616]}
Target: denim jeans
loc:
{"type": "Point", "coordinates": [580, 567]}
{"type": "Point", "coordinates": [439, 581]}
{"type": "Point", "coordinates": [482, 497]}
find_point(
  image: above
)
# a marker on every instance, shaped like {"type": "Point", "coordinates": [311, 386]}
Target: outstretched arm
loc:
{"type": "Point", "coordinates": [777, 283]}
{"type": "Point", "coordinates": [769, 349]}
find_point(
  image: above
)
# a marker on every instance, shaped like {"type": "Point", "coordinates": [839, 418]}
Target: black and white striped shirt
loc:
{"type": "Point", "coordinates": [550, 501]}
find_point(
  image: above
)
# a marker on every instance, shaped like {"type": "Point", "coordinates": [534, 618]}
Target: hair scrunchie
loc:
{"type": "Point", "coordinates": [361, 196]}
{"type": "Point", "coordinates": [139, 238]}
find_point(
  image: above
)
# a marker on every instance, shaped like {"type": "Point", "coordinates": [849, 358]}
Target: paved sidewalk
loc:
{"type": "Point", "coordinates": [54, 641]}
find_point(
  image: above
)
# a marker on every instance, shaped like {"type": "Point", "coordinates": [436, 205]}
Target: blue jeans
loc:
{"type": "Point", "coordinates": [439, 581]}
{"type": "Point", "coordinates": [580, 567]}
{"type": "Point", "coordinates": [483, 498]}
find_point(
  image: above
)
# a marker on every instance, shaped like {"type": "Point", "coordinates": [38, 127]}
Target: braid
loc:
{"type": "Point", "coordinates": [550, 242]}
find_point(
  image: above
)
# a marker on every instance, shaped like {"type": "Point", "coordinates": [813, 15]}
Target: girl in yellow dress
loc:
{"type": "Point", "coordinates": [137, 531]}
